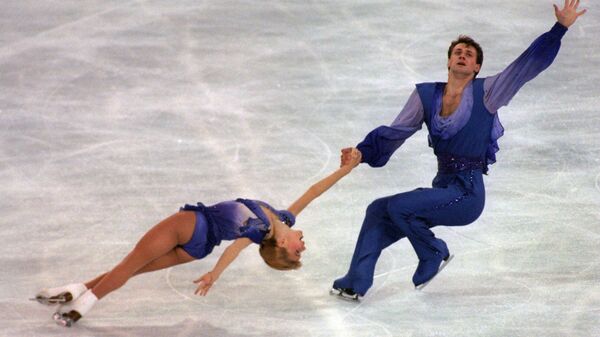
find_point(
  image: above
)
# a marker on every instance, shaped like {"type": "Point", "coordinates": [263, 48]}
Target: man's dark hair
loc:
{"type": "Point", "coordinates": [467, 40]}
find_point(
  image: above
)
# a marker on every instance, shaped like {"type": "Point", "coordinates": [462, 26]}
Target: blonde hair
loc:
{"type": "Point", "coordinates": [276, 257]}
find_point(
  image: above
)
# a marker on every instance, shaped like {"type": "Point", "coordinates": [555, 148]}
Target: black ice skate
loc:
{"type": "Point", "coordinates": [345, 293]}
{"type": "Point", "coordinates": [444, 263]}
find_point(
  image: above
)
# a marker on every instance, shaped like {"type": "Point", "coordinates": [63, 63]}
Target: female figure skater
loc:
{"type": "Point", "coordinates": [191, 234]}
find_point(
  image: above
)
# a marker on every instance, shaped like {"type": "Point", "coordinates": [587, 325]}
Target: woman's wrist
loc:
{"type": "Point", "coordinates": [346, 169]}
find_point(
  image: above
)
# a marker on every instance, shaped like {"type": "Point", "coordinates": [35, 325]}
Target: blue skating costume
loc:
{"type": "Point", "coordinates": [230, 220]}
{"type": "Point", "coordinates": [465, 144]}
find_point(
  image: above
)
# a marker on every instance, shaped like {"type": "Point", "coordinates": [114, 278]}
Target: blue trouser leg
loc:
{"type": "Point", "coordinates": [377, 232]}
{"type": "Point", "coordinates": [453, 201]}
{"type": "Point", "coordinates": [415, 212]}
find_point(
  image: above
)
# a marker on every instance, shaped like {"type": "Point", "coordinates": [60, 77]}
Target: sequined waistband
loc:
{"type": "Point", "coordinates": [448, 163]}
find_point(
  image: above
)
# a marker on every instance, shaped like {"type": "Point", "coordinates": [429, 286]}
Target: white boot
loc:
{"type": "Point", "coordinates": [70, 313]}
{"type": "Point", "coordinates": [59, 295]}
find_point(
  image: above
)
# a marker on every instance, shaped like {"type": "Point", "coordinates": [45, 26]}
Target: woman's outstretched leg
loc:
{"type": "Point", "coordinates": [157, 249]}
{"type": "Point", "coordinates": [158, 241]}
{"type": "Point", "coordinates": [70, 292]}
{"type": "Point", "coordinates": [174, 257]}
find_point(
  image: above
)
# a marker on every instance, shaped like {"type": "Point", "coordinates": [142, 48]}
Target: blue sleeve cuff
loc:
{"type": "Point", "coordinates": [365, 151]}
{"type": "Point", "coordinates": [558, 30]}
{"type": "Point", "coordinates": [379, 145]}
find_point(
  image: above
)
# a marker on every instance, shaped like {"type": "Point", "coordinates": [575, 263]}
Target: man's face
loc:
{"type": "Point", "coordinates": [463, 60]}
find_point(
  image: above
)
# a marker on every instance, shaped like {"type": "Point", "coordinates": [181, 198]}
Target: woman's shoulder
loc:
{"type": "Point", "coordinates": [284, 216]}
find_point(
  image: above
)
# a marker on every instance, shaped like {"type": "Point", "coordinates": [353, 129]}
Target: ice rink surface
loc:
{"type": "Point", "coordinates": [113, 114]}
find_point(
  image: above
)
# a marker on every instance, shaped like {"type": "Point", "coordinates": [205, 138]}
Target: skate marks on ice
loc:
{"type": "Point", "coordinates": [115, 92]}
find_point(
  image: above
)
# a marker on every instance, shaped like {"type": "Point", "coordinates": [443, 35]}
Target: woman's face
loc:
{"type": "Point", "coordinates": [294, 244]}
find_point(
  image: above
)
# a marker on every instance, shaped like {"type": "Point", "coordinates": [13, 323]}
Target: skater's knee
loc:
{"type": "Point", "coordinates": [473, 214]}
{"type": "Point", "coordinates": [469, 212]}
{"type": "Point", "coordinates": [400, 210]}
{"type": "Point", "coordinates": [133, 262]}
{"type": "Point", "coordinates": [377, 207]}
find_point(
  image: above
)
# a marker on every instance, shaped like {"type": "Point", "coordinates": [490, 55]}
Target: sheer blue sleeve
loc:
{"type": "Point", "coordinates": [502, 87]}
{"type": "Point", "coordinates": [379, 145]}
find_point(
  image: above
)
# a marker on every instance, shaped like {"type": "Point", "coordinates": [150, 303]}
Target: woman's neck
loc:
{"type": "Point", "coordinates": [277, 228]}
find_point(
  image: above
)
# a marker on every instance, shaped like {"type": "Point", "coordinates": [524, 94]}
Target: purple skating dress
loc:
{"type": "Point", "coordinates": [230, 220]}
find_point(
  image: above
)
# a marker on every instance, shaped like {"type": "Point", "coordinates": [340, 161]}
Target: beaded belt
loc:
{"type": "Point", "coordinates": [448, 163]}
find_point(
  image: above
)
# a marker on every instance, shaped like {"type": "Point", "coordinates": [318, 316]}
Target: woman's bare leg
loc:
{"type": "Point", "coordinates": [158, 244]}
{"type": "Point", "coordinates": [174, 257]}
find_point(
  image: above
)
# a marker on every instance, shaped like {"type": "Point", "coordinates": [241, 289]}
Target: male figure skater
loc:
{"type": "Point", "coordinates": [463, 125]}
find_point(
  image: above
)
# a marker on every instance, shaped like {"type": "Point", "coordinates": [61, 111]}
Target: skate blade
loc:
{"type": "Point", "coordinates": [58, 318]}
{"type": "Point", "coordinates": [49, 301]}
{"type": "Point", "coordinates": [342, 295]}
{"type": "Point", "coordinates": [53, 300]}
{"type": "Point", "coordinates": [446, 261]}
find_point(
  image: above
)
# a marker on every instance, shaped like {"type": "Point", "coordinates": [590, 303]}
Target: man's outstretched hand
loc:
{"type": "Point", "coordinates": [569, 14]}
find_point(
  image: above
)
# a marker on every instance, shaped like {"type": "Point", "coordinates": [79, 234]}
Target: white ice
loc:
{"type": "Point", "coordinates": [113, 114]}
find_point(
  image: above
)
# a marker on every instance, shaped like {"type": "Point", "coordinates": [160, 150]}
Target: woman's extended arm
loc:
{"type": "Point", "coordinates": [324, 184]}
{"type": "Point", "coordinates": [206, 281]}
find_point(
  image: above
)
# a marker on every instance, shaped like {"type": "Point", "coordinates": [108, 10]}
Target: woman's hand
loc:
{"type": "Point", "coordinates": [204, 283]}
{"type": "Point", "coordinates": [351, 157]}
